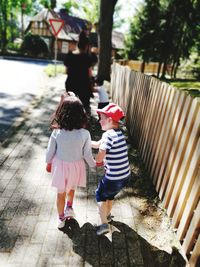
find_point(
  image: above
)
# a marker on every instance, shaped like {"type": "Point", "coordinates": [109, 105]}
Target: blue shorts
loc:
{"type": "Point", "coordinates": [108, 189]}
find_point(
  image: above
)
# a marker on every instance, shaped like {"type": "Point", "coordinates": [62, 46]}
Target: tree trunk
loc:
{"type": "Point", "coordinates": [164, 69]}
{"type": "Point", "coordinates": [175, 70]}
{"type": "Point", "coordinates": [159, 68]}
{"type": "Point", "coordinates": [172, 68]}
{"type": "Point", "coordinates": [105, 38]}
{"type": "Point", "coordinates": [4, 33]}
{"type": "Point", "coordinates": [142, 67]}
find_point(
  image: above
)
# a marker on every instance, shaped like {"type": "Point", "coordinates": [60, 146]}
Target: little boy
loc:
{"type": "Point", "coordinates": [114, 156]}
{"type": "Point", "coordinates": [103, 96]}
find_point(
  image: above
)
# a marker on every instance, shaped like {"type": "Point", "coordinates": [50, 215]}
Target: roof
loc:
{"type": "Point", "coordinates": [73, 24]}
{"type": "Point", "coordinates": [72, 27]}
{"type": "Point", "coordinates": [117, 40]}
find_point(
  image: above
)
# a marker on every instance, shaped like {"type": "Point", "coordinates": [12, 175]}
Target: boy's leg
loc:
{"type": "Point", "coordinates": [109, 206]}
{"type": "Point", "coordinates": [103, 211]}
{"type": "Point", "coordinates": [104, 227]}
{"type": "Point", "coordinates": [61, 203]}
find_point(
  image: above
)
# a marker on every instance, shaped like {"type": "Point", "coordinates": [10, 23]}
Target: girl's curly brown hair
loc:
{"type": "Point", "coordinates": [71, 114]}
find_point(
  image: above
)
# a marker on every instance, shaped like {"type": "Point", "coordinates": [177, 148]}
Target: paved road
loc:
{"type": "Point", "coordinates": [20, 83]}
{"type": "Point", "coordinates": [28, 228]}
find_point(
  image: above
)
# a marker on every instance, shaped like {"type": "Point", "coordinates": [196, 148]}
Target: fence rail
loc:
{"type": "Point", "coordinates": [150, 68]}
{"type": "Point", "coordinates": [165, 126]}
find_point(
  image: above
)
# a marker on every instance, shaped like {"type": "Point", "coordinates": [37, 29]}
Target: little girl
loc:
{"type": "Point", "coordinates": [69, 145]}
{"type": "Point", "coordinates": [53, 122]}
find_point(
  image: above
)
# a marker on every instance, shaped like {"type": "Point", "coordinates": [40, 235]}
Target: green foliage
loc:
{"type": "Point", "coordinates": [190, 87]}
{"type": "Point", "coordinates": [117, 21]}
{"type": "Point", "coordinates": [70, 5]}
{"type": "Point", "coordinates": [10, 10]}
{"type": "Point", "coordinates": [165, 31]}
{"type": "Point", "coordinates": [34, 45]}
{"type": "Point", "coordinates": [190, 68]}
{"type": "Point", "coordinates": [143, 40]}
{"type": "Point", "coordinates": [48, 3]}
{"type": "Point", "coordinates": [88, 9]}
{"type": "Point", "coordinates": [50, 69]}
{"type": "Point", "coordinates": [14, 46]}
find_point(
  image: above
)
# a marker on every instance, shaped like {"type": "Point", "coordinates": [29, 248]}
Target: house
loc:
{"type": "Point", "coordinates": [68, 36]}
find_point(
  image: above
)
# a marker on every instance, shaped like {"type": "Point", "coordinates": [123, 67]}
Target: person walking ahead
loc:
{"type": "Point", "coordinates": [114, 156]}
{"type": "Point", "coordinates": [79, 71]}
{"type": "Point", "coordinates": [69, 145]}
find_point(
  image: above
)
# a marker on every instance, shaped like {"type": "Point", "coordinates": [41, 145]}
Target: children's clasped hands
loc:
{"type": "Point", "coordinates": [48, 167]}
{"type": "Point", "coordinates": [101, 154]}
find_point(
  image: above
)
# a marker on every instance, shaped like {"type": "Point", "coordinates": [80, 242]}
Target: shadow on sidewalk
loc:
{"type": "Point", "coordinates": [124, 247]}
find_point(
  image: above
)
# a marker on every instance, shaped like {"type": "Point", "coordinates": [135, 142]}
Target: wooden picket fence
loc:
{"type": "Point", "coordinates": [149, 68]}
{"type": "Point", "coordinates": [165, 125]}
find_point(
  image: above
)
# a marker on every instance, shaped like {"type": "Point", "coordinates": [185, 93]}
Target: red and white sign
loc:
{"type": "Point", "coordinates": [56, 25]}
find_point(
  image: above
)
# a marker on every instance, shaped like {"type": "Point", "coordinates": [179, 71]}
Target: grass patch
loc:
{"type": "Point", "coordinates": [50, 69]}
{"type": "Point", "coordinates": [191, 87]}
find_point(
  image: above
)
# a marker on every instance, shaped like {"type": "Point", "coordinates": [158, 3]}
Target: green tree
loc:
{"type": "Point", "coordinates": [143, 42]}
{"type": "Point", "coordinates": [90, 10]}
{"type": "Point", "coordinates": [164, 31]}
{"type": "Point", "coordinates": [9, 10]}
{"type": "Point", "coordinates": [49, 3]}
{"type": "Point", "coordinates": [178, 33]}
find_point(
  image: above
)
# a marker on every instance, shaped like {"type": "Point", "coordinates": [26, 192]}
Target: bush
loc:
{"type": "Point", "coordinates": [14, 47]}
{"type": "Point", "coordinates": [34, 45]}
{"type": "Point", "coordinates": [190, 68]}
{"type": "Point", "coordinates": [50, 69]}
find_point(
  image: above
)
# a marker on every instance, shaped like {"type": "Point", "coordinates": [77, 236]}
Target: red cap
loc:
{"type": "Point", "coordinates": [113, 111]}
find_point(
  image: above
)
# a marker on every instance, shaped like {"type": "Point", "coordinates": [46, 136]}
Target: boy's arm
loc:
{"type": "Point", "coordinates": [96, 144]}
{"type": "Point", "coordinates": [100, 156]}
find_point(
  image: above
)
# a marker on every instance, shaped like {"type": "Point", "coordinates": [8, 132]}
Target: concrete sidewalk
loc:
{"type": "Point", "coordinates": [28, 216]}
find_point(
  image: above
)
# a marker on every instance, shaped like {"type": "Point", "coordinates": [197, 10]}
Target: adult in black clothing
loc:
{"type": "Point", "coordinates": [78, 68]}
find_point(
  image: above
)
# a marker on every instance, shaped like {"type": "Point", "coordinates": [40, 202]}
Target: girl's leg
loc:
{"type": "Point", "coordinates": [68, 209]}
{"type": "Point", "coordinates": [70, 198]}
{"type": "Point", "coordinates": [61, 203]}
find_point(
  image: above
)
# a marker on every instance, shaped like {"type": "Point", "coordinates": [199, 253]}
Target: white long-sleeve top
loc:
{"type": "Point", "coordinates": [70, 146]}
{"type": "Point", "coordinates": [103, 96]}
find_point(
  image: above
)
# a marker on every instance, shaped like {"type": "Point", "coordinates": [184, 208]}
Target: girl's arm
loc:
{"type": "Point", "coordinates": [51, 148]}
{"type": "Point", "coordinates": [87, 150]}
{"type": "Point", "coordinates": [96, 144]}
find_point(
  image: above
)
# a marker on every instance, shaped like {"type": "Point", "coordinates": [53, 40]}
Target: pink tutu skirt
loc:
{"type": "Point", "coordinates": [68, 175]}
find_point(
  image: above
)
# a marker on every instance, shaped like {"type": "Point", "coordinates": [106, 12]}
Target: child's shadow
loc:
{"type": "Point", "coordinates": [124, 247]}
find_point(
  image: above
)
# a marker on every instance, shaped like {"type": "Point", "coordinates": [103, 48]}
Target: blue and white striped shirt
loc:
{"type": "Point", "coordinates": [116, 160]}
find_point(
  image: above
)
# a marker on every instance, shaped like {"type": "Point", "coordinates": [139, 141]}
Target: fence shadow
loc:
{"type": "Point", "coordinates": [124, 247]}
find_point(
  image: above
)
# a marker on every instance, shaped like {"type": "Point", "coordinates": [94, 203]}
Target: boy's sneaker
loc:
{"type": "Point", "coordinates": [69, 212]}
{"type": "Point", "coordinates": [61, 222]}
{"type": "Point", "coordinates": [103, 229]}
{"type": "Point", "coordinates": [110, 218]}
